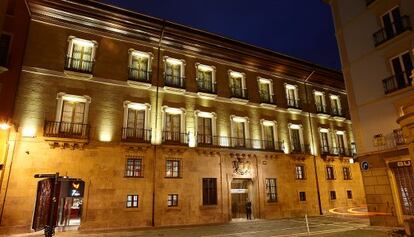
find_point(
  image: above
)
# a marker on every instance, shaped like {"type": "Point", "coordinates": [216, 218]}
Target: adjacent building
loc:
{"type": "Point", "coordinates": [376, 44]}
{"type": "Point", "coordinates": [168, 125]}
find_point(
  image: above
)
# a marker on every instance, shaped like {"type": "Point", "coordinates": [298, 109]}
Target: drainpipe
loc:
{"type": "Point", "coordinates": [154, 168]}
{"type": "Point", "coordinates": [313, 142]}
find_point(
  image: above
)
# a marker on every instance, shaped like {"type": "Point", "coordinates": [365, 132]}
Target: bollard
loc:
{"type": "Point", "coordinates": [307, 224]}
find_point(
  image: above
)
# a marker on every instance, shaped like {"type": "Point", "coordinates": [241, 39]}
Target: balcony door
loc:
{"type": "Point", "coordinates": [341, 143]}
{"type": "Point", "coordinates": [295, 134]}
{"type": "Point", "coordinates": [239, 134]}
{"type": "Point", "coordinates": [392, 22]}
{"type": "Point", "coordinates": [135, 123]}
{"type": "Point", "coordinates": [205, 79]}
{"type": "Point", "coordinates": [173, 127]}
{"type": "Point", "coordinates": [72, 117]}
{"type": "Point", "coordinates": [204, 130]}
{"type": "Point", "coordinates": [173, 74]}
{"type": "Point", "coordinates": [264, 89]}
{"type": "Point", "coordinates": [81, 57]}
{"type": "Point", "coordinates": [401, 68]}
{"type": "Point", "coordinates": [269, 137]}
{"type": "Point", "coordinates": [236, 83]}
{"type": "Point", "coordinates": [139, 66]}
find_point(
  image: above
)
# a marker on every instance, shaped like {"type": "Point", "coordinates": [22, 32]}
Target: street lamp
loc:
{"type": "Point", "coordinates": [4, 126]}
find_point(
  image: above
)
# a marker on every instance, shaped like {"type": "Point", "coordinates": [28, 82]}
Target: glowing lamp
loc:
{"type": "Point", "coordinates": [4, 126]}
{"type": "Point", "coordinates": [29, 132]}
{"type": "Point", "coordinates": [105, 137]}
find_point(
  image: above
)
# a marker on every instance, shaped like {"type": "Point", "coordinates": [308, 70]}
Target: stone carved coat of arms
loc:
{"type": "Point", "coordinates": [241, 166]}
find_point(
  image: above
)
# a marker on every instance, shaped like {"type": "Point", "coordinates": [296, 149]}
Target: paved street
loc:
{"type": "Point", "coordinates": [319, 226]}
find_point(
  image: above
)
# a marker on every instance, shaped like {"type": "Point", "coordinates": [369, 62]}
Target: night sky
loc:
{"type": "Point", "coordinates": [299, 28]}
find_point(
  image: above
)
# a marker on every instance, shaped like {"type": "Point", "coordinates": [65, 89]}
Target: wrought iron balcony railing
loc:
{"type": "Point", "coordinates": [140, 75]}
{"type": "Point", "coordinates": [396, 82]}
{"type": "Point", "coordinates": [338, 112]}
{"type": "Point", "coordinates": [398, 27]}
{"type": "Point", "coordinates": [294, 103]}
{"type": "Point", "coordinates": [66, 130]}
{"type": "Point", "coordinates": [300, 148]}
{"type": "Point", "coordinates": [136, 135]}
{"type": "Point", "coordinates": [174, 81]}
{"type": "Point", "coordinates": [239, 92]}
{"type": "Point", "coordinates": [175, 138]}
{"type": "Point", "coordinates": [266, 98]}
{"type": "Point", "coordinates": [206, 86]}
{"type": "Point", "coordinates": [78, 65]}
{"type": "Point", "coordinates": [321, 108]}
{"type": "Point", "coordinates": [238, 143]}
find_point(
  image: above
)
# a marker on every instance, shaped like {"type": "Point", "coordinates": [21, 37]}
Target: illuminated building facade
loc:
{"type": "Point", "coordinates": [376, 43]}
{"type": "Point", "coordinates": [168, 125]}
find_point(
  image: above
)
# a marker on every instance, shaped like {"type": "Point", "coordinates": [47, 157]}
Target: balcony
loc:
{"type": "Point", "coordinates": [135, 135]}
{"type": "Point", "coordinates": [206, 86]}
{"type": "Point", "coordinates": [139, 75]}
{"type": "Point", "coordinates": [174, 138]}
{"type": "Point", "coordinates": [396, 82]}
{"type": "Point", "coordinates": [238, 143]}
{"type": "Point", "coordinates": [266, 98]}
{"type": "Point", "coordinates": [321, 108]}
{"type": "Point", "coordinates": [294, 104]}
{"type": "Point", "coordinates": [338, 112]}
{"type": "Point", "coordinates": [369, 2]}
{"type": "Point", "coordinates": [174, 81]}
{"type": "Point", "coordinates": [336, 151]}
{"type": "Point", "coordinates": [400, 26]}
{"type": "Point", "coordinates": [240, 93]}
{"type": "Point", "coordinates": [66, 130]}
{"type": "Point", "coordinates": [78, 65]}
{"type": "Point", "coordinates": [300, 149]}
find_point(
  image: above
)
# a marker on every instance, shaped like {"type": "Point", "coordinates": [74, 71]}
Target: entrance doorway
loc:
{"type": "Point", "coordinates": [70, 211]}
{"type": "Point", "coordinates": [240, 195]}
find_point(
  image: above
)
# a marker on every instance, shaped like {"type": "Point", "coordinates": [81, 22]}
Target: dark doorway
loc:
{"type": "Point", "coordinates": [240, 195]}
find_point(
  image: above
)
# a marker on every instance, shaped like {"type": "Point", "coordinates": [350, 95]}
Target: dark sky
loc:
{"type": "Point", "coordinates": [299, 28]}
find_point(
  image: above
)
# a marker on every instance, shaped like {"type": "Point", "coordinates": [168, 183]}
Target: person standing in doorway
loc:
{"type": "Point", "coordinates": [249, 210]}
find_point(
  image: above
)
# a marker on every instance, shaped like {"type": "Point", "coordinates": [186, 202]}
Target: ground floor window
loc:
{"type": "Point", "coordinates": [209, 191]}
{"type": "Point", "coordinates": [271, 194]}
{"type": "Point", "coordinates": [349, 194]}
{"type": "Point", "coordinates": [172, 168]}
{"type": "Point", "coordinates": [133, 167]}
{"type": "Point", "coordinates": [172, 200]}
{"type": "Point", "coordinates": [302, 196]}
{"type": "Point", "coordinates": [132, 201]}
{"type": "Point", "coordinates": [333, 195]}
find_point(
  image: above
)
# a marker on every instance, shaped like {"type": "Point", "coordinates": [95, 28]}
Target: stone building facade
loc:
{"type": "Point", "coordinates": [168, 125]}
{"type": "Point", "coordinates": [376, 44]}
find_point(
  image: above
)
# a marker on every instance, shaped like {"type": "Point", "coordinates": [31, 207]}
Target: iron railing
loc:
{"type": "Point", "coordinates": [266, 98]}
{"type": "Point", "coordinates": [238, 143]}
{"type": "Point", "coordinates": [294, 103]}
{"type": "Point", "coordinates": [176, 138]}
{"type": "Point", "coordinates": [78, 65]}
{"type": "Point", "coordinates": [399, 26]}
{"type": "Point", "coordinates": [136, 74]}
{"type": "Point", "coordinates": [174, 81]}
{"type": "Point", "coordinates": [337, 111]}
{"type": "Point", "coordinates": [396, 82]}
{"type": "Point", "coordinates": [66, 130]}
{"type": "Point", "coordinates": [300, 148]}
{"type": "Point", "coordinates": [137, 135]}
{"type": "Point", "coordinates": [206, 86]}
{"type": "Point", "coordinates": [238, 92]}
{"type": "Point", "coordinates": [321, 108]}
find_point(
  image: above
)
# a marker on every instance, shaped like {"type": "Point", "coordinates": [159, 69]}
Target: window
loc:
{"type": "Point", "coordinates": [302, 196]}
{"type": "Point", "coordinates": [172, 168]}
{"type": "Point", "coordinates": [237, 85]}
{"type": "Point", "coordinates": [392, 22]}
{"type": "Point", "coordinates": [80, 55]}
{"type": "Point", "coordinates": [206, 81]}
{"type": "Point", "coordinates": [136, 118]}
{"type": "Point", "coordinates": [5, 41]}
{"type": "Point", "coordinates": [209, 191]}
{"type": "Point", "coordinates": [330, 173]}
{"type": "Point", "coordinates": [296, 138]}
{"type": "Point", "coordinates": [204, 130]}
{"type": "Point", "coordinates": [320, 102]}
{"type": "Point", "coordinates": [132, 201]}
{"type": "Point", "coordinates": [174, 73]}
{"type": "Point", "coordinates": [349, 194]}
{"type": "Point", "coordinates": [269, 135]}
{"type": "Point", "coordinates": [325, 141]}
{"type": "Point", "coordinates": [133, 167]}
{"type": "Point", "coordinates": [266, 90]}
{"type": "Point", "coordinates": [174, 126]}
{"type": "Point", "coordinates": [172, 200]}
{"type": "Point", "coordinates": [347, 173]}
{"type": "Point", "coordinates": [402, 67]}
{"type": "Point", "coordinates": [139, 66]}
{"type": "Point", "coordinates": [332, 195]}
{"type": "Point", "coordinates": [239, 130]}
{"type": "Point", "coordinates": [336, 105]}
{"type": "Point", "coordinates": [340, 139]}
{"type": "Point", "coordinates": [300, 172]}
{"type": "Point", "coordinates": [292, 96]}
{"type": "Point", "coordinates": [271, 192]}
